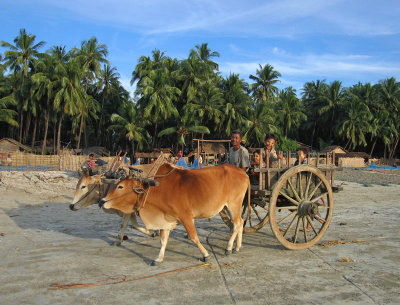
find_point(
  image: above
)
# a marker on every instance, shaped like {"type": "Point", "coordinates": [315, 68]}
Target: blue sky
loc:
{"type": "Point", "coordinates": [305, 40]}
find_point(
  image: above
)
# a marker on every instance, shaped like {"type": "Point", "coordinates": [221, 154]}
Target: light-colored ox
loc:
{"type": "Point", "coordinates": [90, 189]}
{"type": "Point", "coordinates": [181, 197]}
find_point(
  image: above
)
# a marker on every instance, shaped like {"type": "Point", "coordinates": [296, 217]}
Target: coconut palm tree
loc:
{"type": "Point", "coordinates": [107, 84]}
{"type": "Point", "coordinates": [91, 55]}
{"type": "Point", "coordinates": [204, 54]}
{"type": "Point", "coordinates": [70, 93]}
{"type": "Point", "coordinates": [237, 105]}
{"type": "Point", "coordinates": [183, 129]}
{"type": "Point", "coordinates": [206, 108]}
{"type": "Point", "coordinates": [389, 96]}
{"type": "Point", "coordinates": [312, 97]}
{"type": "Point", "coordinates": [355, 121]}
{"type": "Point", "coordinates": [20, 58]}
{"type": "Point", "coordinates": [130, 122]}
{"type": "Point", "coordinates": [332, 99]}
{"type": "Point", "coordinates": [263, 119]}
{"type": "Point", "coordinates": [157, 97]}
{"type": "Point", "coordinates": [289, 110]}
{"type": "Point", "coordinates": [264, 87]}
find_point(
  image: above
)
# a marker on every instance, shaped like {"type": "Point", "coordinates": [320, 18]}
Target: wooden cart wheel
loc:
{"type": "Point", "coordinates": [301, 207]}
{"type": "Point", "coordinates": [254, 221]}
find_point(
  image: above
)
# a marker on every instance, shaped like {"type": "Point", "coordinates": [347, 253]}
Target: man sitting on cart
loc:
{"type": "Point", "coordinates": [238, 155]}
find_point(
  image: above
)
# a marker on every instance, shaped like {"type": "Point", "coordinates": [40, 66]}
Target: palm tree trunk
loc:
{"type": "Point", "coordinates": [313, 133]}
{"type": "Point", "coordinates": [393, 150]}
{"type": "Point", "coordinates": [59, 134]}
{"type": "Point", "coordinates": [34, 133]}
{"type": "Point", "coordinates": [373, 147]}
{"type": "Point", "coordinates": [46, 127]}
{"type": "Point", "coordinates": [27, 126]}
{"type": "Point", "coordinates": [155, 133]}
{"type": "Point", "coordinates": [85, 135]}
{"type": "Point", "coordinates": [347, 144]}
{"type": "Point", "coordinates": [21, 124]}
{"type": "Point", "coordinates": [101, 120]}
{"type": "Point", "coordinates": [80, 131]}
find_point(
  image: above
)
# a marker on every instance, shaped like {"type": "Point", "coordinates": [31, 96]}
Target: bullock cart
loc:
{"type": "Point", "coordinates": [297, 201]}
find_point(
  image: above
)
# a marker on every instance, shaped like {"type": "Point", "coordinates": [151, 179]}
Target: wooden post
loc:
{"type": "Point", "coordinates": [261, 174]}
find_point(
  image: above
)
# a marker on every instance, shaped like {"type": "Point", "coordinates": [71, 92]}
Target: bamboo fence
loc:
{"type": "Point", "coordinates": [30, 162]}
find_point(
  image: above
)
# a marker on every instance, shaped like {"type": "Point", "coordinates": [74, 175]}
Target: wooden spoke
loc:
{"type": "Point", "coordinates": [287, 217]}
{"type": "Point", "coordinates": [315, 189]}
{"type": "Point", "coordinates": [304, 230]}
{"type": "Point", "coordinates": [319, 197]}
{"type": "Point", "coordinates": [289, 207]}
{"type": "Point", "coordinates": [290, 225]}
{"type": "Point", "coordinates": [297, 230]}
{"type": "Point", "coordinates": [289, 198]}
{"type": "Point", "coordinates": [286, 197]}
{"type": "Point", "coordinates": [255, 211]}
{"type": "Point", "coordinates": [293, 190]}
{"type": "Point", "coordinates": [300, 186]}
{"type": "Point", "coordinates": [312, 225]}
{"type": "Point", "coordinates": [307, 186]}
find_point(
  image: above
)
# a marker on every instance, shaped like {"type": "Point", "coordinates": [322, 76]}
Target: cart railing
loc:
{"type": "Point", "coordinates": [268, 175]}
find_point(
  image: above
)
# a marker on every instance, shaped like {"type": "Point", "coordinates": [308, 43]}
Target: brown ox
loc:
{"type": "Point", "coordinates": [181, 197]}
{"type": "Point", "coordinates": [89, 190]}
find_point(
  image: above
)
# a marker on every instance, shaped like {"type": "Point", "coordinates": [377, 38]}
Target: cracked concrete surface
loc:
{"type": "Point", "coordinates": [43, 243]}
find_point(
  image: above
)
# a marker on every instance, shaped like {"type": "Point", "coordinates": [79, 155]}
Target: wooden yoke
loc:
{"type": "Point", "coordinates": [115, 160]}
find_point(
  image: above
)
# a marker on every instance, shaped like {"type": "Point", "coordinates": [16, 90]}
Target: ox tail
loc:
{"type": "Point", "coordinates": [248, 202]}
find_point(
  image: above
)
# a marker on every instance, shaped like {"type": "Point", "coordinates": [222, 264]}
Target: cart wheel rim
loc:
{"type": "Point", "coordinates": [301, 207]}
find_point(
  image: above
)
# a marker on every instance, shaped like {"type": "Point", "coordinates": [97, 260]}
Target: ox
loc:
{"type": "Point", "coordinates": [89, 190]}
{"type": "Point", "coordinates": [181, 197]}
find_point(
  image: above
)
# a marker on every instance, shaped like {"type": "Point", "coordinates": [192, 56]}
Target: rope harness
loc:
{"type": "Point", "coordinates": [88, 193]}
{"type": "Point", "coordinates": [142, 193]}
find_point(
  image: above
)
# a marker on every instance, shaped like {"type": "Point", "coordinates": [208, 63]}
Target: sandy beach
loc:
{"type": "Point", "coordinates": [45, 247]}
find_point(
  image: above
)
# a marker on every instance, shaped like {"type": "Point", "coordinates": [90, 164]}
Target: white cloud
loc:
{"type": "Point", "coordinates": [277, 18]}
{"type": "Point", "coordinates": [297, 69]}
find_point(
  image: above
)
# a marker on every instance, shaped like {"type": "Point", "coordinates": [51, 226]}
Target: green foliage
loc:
{"type": "Point", "coordinates": [77, 94]}
{"type": "Point", "coordinates": [286, 144]}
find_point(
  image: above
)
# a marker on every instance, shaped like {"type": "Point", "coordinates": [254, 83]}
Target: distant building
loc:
{"type": "Point", "coordinates": [347, 159]}
{"type": "Point", "coordinates": [8, 145]}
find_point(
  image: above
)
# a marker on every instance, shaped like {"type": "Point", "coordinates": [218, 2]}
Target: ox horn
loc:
{"type": "Point", "coordinates": [136, 169]}
{"type": "Point", "coordinates": [151, 182]}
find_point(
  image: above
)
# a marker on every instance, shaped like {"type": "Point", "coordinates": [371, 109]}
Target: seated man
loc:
{"type": "Point", "coordinates": [238, 155]}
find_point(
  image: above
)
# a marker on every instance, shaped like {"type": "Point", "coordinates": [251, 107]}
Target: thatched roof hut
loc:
{"type": "Point", "coordinates": [8, 145]}
{"type": "Point", "coordinates": [334, 149]}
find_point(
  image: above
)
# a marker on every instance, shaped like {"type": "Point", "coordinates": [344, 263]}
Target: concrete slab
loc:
{"type": "Point", "coordinates": [43, 243]}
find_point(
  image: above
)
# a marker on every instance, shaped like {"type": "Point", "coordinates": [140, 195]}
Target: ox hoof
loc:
{"type": "Point", "coordinates": [155, 263]}
{"type": "Point", "coordinates": [234, 251]}
{"type": "Point", "coordinates": [228, 252]}
{"type": "Point", "coordinates": [205, 259]}
{"type": "Point", "coordinates": [125, 237]}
